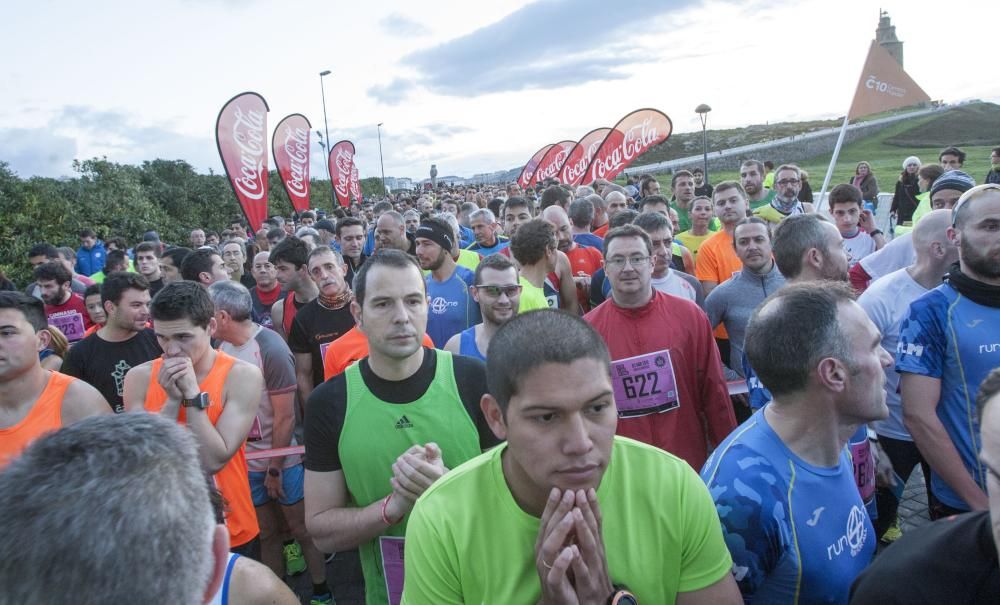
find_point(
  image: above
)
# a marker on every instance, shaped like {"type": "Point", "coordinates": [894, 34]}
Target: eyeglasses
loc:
{"type": "Point", "coordinates": [496, 291]}
{"type": "Point", "coordinates": [618, 263]}
{"type": "Point", "coordinates": [784, 182]}
{"type": "Point", "coordinates": [968, 195]}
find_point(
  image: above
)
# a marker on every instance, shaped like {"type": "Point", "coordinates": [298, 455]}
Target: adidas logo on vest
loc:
{"type": "Point", "coordinates": [404, 423]}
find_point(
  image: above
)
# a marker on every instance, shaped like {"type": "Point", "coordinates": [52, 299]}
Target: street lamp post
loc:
{"type": "Point", "coordinates": [702, 111]}
{"type": "Point", "coordinates": [381, 163]}
{"type": "Point", "coordinates": [326, 126]}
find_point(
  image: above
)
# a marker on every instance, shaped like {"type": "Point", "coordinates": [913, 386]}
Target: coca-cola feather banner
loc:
{"type": "Point", "coordinates": [290, 147]}
{"type": "Point", "coordinates": [356, 184]}
{"type": "Point", "coordinates": [529, 169]}
{"type": "Point", "coordinates": [551, 162]}
{"type": "Point", "coordinates": [632, 136]}
{"type": "Point", "coordinates": [341, 161]}
{"type": "Point", "coordinates": [241, 136]}
{"type": "Point", "coordinates": [575, 166]}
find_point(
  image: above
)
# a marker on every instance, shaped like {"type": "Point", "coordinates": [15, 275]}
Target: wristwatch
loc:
{"type": "Point", "coordinates": [274, 472]}
{"type": "Point", "coordinates": [621, 596]}
{"type": "Point", "coordinates": [199, 401]}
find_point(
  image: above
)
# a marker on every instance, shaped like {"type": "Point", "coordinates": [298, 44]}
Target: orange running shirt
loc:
{"type": "Point", "coordinates": [44, 417]}
{"type": "Point", "coordinates": [231, 480]}
{"type": "Point", "coordinates": [717, 261]}
{"type": "Point", "coordinates": [347, 349]}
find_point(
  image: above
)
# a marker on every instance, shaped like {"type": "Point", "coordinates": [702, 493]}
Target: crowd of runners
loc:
{"type": "Point", "coordinates": [561, 395]}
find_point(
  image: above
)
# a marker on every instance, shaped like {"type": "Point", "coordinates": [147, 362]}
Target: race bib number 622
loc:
{"type": "Point", "coordinates": [644, 384]}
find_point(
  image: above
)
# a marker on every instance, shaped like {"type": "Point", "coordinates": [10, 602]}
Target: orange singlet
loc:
{"type": "Point", "coordinates": [231, 480]}
{"type": "Point", "coordinates": [45, 416]}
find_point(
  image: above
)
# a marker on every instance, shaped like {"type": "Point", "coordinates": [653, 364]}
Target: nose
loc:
{"type": "Point", "coordinates": [576, 439]}
{"type": "Point", "coordinates": [885, 359]}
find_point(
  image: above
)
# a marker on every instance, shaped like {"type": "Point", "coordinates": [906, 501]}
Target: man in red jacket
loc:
{"type": "Point", "coordinates": [667, 375]}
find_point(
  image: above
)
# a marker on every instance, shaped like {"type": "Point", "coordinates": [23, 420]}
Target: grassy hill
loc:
{"type": "Point", "coordinates": [974, 127]}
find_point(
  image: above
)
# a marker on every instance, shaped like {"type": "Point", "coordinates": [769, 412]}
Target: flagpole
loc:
{"type": "Point", "coordinates": [833, 160]}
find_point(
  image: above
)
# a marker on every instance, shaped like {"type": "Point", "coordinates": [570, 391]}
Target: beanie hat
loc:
{"type": "Point", "coordinates": [437, 234]}
{"type": "Point", "coordinates": [911, 160]}
{"type": "Point", "coordinates": [953, 179]}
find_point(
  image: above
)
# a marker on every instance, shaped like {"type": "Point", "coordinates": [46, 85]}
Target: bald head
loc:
{"type": "Point", "coordinates": [931, 228]}
{"type": "Point", "coordinates": [558, 218]}
{"type": "Point", "coordinates": [617, 201]}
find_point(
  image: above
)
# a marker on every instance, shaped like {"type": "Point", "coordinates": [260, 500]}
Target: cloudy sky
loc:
{"type": "Point", "coordinates": [470, 86]}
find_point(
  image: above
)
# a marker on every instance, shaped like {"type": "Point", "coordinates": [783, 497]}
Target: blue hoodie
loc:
{"type": "Point", "coordinates": [89, 262]}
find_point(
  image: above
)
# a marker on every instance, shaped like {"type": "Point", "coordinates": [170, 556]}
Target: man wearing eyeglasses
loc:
{"type": "Point", "coordinates": [785, 203]}
{"type": "Point", "coordinates": [498, 293]}
{"type": "Point", "coordinates": [667, 376]}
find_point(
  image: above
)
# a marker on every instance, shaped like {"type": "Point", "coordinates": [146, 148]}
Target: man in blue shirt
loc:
{"type": "Point", "coordinates": [948, 343]}
{"type": "Point", "coordinates": [484, 226]}
{"type": "Point", "coordinates": [452, 307]}
{"type": "Point", "coordinates": [782, 482]}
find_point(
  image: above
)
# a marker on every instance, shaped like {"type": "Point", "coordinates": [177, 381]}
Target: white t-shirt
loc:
{"type": "Point", "coordinates": [887, 303]}
{"type": "Point", "coordinates": [858, 246]}
{"type": "Point", "coordinates": [671, 283]}
{"type": "Point", "coordinates": [895, 255]}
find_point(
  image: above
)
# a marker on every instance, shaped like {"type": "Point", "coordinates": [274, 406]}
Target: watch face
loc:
{"type": "Point", "coordinates": [624, 598]}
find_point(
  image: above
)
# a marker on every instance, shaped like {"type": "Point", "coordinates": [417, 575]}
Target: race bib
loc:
{"type": "Point", "coordinates": [644, 384]}
{"type": "Point", "coordinates": [864, 468]}
{"type": "Point", "coordinates": [391, 548]}
{"type": "Point", "coordinates": [69, 323]}
{"type": "Point", "coordinates": [255, 431]}
{"type": "Point", "coordinates": [322, 349]}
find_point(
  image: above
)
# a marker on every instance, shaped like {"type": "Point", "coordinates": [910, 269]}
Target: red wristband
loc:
{"type": "Point", "coordinates": [385, 518]}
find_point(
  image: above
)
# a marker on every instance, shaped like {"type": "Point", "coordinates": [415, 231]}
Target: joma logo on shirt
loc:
{"type": "Point", "coordinates": [910, 349]}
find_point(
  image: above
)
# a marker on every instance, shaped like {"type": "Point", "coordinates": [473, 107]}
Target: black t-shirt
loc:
{"type": "Point", "coordinates": [248, 281]}
{"type": "Point", "coordinates": [952, 560]}
{"type": "Point", "coordinates": [315, 326]}
{"type": "Point", "coordinates": [327, 405]}
{"type": "Point", "coordinates": [155, 286]}
{"type": "Point", "coordinates": [103, 364]}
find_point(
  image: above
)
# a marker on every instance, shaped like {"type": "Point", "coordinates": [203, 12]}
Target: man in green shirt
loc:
{"type": "Point", "coordinates": [752, 178]}
{"type": "Point", "coordinates": [382, 432]}
{"type": "Point", "coordinates": [566, 512]}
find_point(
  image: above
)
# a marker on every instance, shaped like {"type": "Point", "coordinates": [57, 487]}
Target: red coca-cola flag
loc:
{"type": "Point", "coordinates": [578, 158]}
{"type": "Point", "coordinates": [341, 161]}
{"type": "Point", "coordinates": [551, 162]}
{"type": "Point", "coordinates": [290, 147]}
{"type": "Point", "coordinates": [241, 136]}
{"type": "Point", "coordinates": [632, 136]}
{"type": "Point", "coordinates": [529, 169]}
{"type": "Point", "coordinates": [356, 184]}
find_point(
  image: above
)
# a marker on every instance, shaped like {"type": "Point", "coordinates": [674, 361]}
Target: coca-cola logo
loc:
{"type": "Point", "coordinates": [248, 134]}
{"type": "Point", "coordinates": [297, 148]}
{"type": "Point", "coordinates": [636, 141]}
{"type": "Point", "coordinates": [343, 163]}
{"type": "Point", "coordinates": [576, 170]}
{"type": "Point", "coordinates": [552, 168]}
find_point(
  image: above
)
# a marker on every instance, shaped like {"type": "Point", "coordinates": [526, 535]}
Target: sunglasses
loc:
{"type": "Point", "coordinates": [496, 291]}
{"type": "Point", "coordinates": [968, 195]}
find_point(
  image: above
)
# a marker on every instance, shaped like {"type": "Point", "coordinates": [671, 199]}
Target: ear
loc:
{"type": "Point", "coordinates": [108, 307]}
{"type": "Point", "coordinates": [356, 313]}
{"type": "Point", "coordinates": [832, 374]}
{"type": "Point", "coordinates": [213, 325]}
{"type": "Point", "coordinates": [44, 339]}
{"type": "Point", "coordinates": [475, 293]}
{"type": "Point", "coordinates": [813, 258]}
{"type": "Point", "coordinates": [494, 415]}
{"type": "Point", "coordinates": [954, 236]}
{"type": "Point", "coordinates": [220, 556]}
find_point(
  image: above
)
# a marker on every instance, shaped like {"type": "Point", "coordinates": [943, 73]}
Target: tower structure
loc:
{"type": "Point", "coordinates": [885, 35]}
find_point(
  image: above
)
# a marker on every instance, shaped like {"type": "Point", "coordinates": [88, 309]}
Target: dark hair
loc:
{"type": "Point", "coordinates": [349, 221]}
{"type": "Point", "coordinates": [196, 263]}
{"type": "Point", "coordinates": [239, 220]}
{"type": "Point", "coordinates": [114, 259]}
{"type": "Point", "coordinates": [845, 194]}
{"type": "Point", "coordinates": [182, 300]}
{"type": "Point", "coordinates": [752, 220]}
{"type": "Point", "coordinates": [32, 308]}
{"type": "Point", "coordinates": [652, 199]}
{"type": "Point", "coordinates": [148, 247]}
{"type": "Point", "coordinates": [623, 217]}
{"type": "Point", "coordinates": [87, 233]}
{"type": "Point", "coordinates": [581, 212]}
{"type": "Point", "coordinates": [92, 289]}
{"type": "Point", "coordinates": [291, 250]}
{"type": "Point", "coordinates": [679, 174]}
{"type": "Point", "coordinates": [118, 241]}
{"type": "Point", "coordinates": [726, 185]}
{"type": "Point", "coordinates": [988, 389]}
{"type": "Point", "coordinates": [47, 250]}
{"type": "Point", "coordinates": [116, 283]}
{"type": "Point", "coordinates": [497, 262]}
{"type": "Point", "coordinates": [644, 182]}
{"type": "Point", "coordinates": [177, 255]}
{"type": "Point", "coordinates": [515, 202]}
{"type": "Point", "coordinates": [53, 270]}
{"type": "Point", "coordinates": [554, 196]}
{"type": "Point", "coordinates": [931, 172]}
{"type": "Point", "coordinates": [792, 237]}
{"type": "Point", "coordinates": [496, 205]}
{"type": "Point", "coordinates": [381, 207]}
{"type": "Point", "coordinates": [274, 233]}
{"type": "Point", "coordinates": [532, 339]}
{"type": "Point", "coordinates": [66, 253]}
{"type": "Point", "coordinates": [952, 150]}
{"type": "Point", "coordinates": [697, 170]}
{"type": "Point", "coordinates": [793, 330]}
{"type": "Point", "coordinates": [652, 221]}
{"type": "Point", "coordinates": [307, 214]}
{"type": "Point", "coordinates": [531, 240]}
{"type": "Point", "coordinates": [629, 230]}
{"type": "Point", "coordinates": [383, 257]}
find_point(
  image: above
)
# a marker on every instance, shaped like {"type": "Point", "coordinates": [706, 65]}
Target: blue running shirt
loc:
{"type": "Point", "coordinates": [949, 337]}
{"type": "Point", "coordinates": [798, 533]}
{"type": "Point", "coordinates": [452, 308]}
